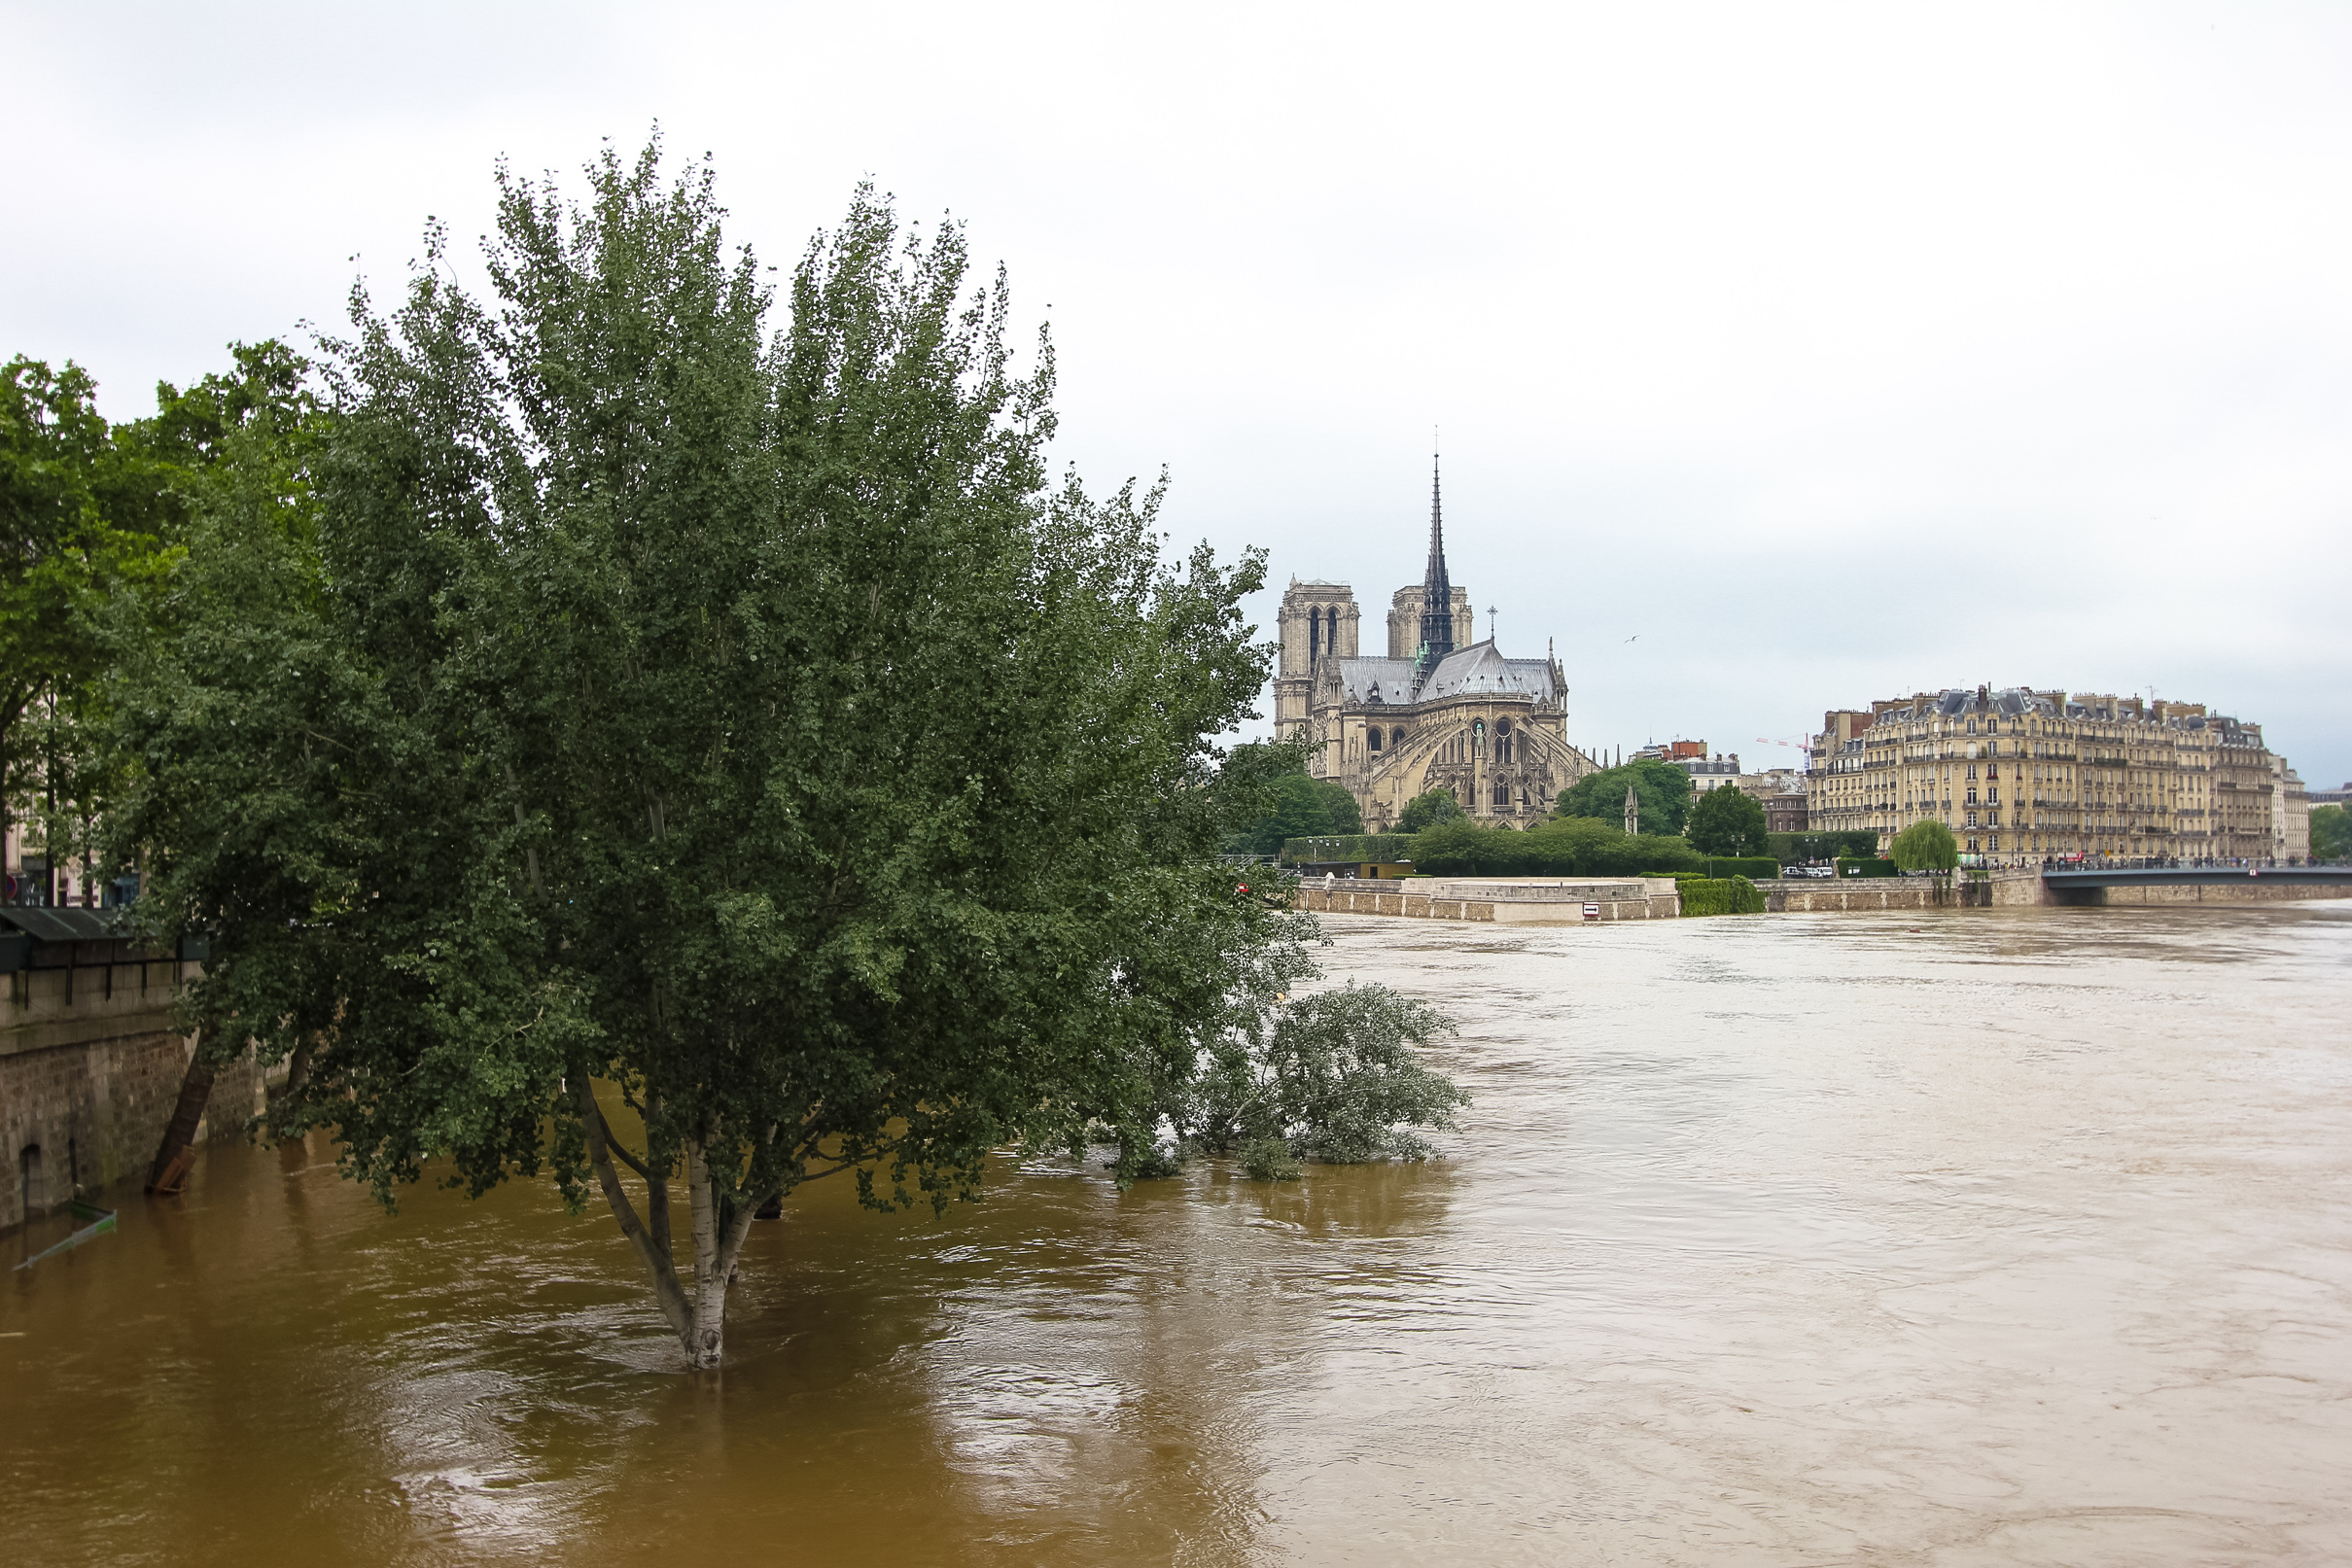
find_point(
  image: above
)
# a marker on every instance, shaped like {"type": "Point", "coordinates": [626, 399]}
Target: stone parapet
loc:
{"type": "Point", "coordinates": [1501, 900]}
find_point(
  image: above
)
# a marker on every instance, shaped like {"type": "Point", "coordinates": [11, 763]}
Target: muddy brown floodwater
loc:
{"type": "Point", "coordinates": [2022, 1236]}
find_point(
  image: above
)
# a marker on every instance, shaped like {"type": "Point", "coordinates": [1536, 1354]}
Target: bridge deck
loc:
{"type": "Point", "coordinates": [2195, 876]}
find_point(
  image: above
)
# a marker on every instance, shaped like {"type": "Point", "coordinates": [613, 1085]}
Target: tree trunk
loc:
{"type": "Point", "coordinates": [657, 1258]}
{"type": "Point", "coordinates": [718, 1231]}
{"type": "Point", "coordinates": [178, 1150]}
{"type": "Point", "coordinates": [704, 1346]}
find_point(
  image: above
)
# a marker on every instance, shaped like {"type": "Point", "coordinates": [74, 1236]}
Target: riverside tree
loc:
{"type": "Point", "coordinates": [1726, 821]}
{"type": "Point", "coordinates": [728, 751]}
{"type": "Point", "coordinates": [1927, 844]}
{"type": "Point", "coordinates": [1428, 809]}
{"type": "Point", "coordinates": [1664, 790]}
{"type": "Point", "coordinates": [89, 514]}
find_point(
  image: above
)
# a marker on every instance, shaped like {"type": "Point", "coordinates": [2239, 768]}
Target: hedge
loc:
{"type": "Point", "coordinates": [1564, 847]}
{"type": "Point", "coordinates": [1876, 866]}
{"type": "Point", "coordinates": [1761, 867]}
{"type": "Point", "coordinates": [1381, 847]}
{"type": "Point", "coordinates": [1793, 848]}
{"type": "Point", "coordinates": [1719, 896]}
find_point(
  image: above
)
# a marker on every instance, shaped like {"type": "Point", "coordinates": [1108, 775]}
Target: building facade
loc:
{"type": "Point", "coordinates": [1787, 812]}
{"type": "Point", "coordinates": [2021, 773]}
{"type": "Point", "coordinates": [2290, 813]}
{"type": "Point", "coordinates": [1439, 712]}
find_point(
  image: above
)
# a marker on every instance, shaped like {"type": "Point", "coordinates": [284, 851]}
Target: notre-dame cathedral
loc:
{"type": "Point", "coordinates": [1441, 712]}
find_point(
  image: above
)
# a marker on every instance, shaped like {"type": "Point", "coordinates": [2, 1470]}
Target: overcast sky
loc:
{"type": "Point", "coordinates": [1786, 357]}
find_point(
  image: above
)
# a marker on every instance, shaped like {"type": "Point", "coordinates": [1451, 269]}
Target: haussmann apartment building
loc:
{"type": "Point", "coordinates": [2021, 775]}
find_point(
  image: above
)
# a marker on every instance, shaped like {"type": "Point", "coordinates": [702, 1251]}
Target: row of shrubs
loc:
{"type": "Point", "coordinates": [1349, 847]}
{"type": "Point", "coordinates": [1566, 846]}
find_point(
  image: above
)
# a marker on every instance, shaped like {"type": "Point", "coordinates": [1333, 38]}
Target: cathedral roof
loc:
{"type": "Point", "coordinates": [1479, 669]}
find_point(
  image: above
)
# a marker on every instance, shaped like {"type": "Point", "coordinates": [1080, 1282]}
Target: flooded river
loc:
{"type": "Point", "coordinates": [2020, 1236]}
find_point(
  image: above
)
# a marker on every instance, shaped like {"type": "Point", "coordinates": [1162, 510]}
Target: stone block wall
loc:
{"type": "Point", "coordinates": [89, 1071]}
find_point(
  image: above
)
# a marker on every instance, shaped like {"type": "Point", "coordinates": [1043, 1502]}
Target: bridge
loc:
{"type": "Point", "coordinates": [2090, 885]}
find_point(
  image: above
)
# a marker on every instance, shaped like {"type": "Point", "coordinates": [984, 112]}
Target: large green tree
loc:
{"type": "Point", "coordinates": [742, 733]}
{"type": "Point", "coordinates": [1726, 821]}
{"type": "Point", "coordinates": [1662, 790]}
{"type": "Point", "coordinates": [2330, 833]}
{"type": "Point", "coordinates": [1295, 805]}
{"type": "Point", "coordinates": [1428, 809]}
{"type": "Point", "coordinates": [91, 517]}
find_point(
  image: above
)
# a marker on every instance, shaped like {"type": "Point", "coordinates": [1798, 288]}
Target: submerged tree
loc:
{"type": "Point", "coordinates": [740, 731]}
{"type": "Point", "coordinates": [1331, 1076]}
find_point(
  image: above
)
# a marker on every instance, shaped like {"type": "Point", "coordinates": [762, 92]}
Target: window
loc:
{"type": "Point", "coordinates": [1502, 794]}
{"type": "Point", "coordinates": [1396, 736]}
{"type": "Point", "coordinates": [1374, 737]}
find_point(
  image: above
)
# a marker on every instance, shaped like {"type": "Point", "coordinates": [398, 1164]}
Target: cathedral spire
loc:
{"type": "Point", "coordinates": [1437, 590]}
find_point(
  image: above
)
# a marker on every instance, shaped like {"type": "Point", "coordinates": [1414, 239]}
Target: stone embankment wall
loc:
{"type": "Point", "coordinates": [2253, 890]}
{"type": "Point", "coordinates": [2007, 888]}
{"type": "Point", "coordinates": [1853, 894]}
{"type": "Point", "coordinates": [1503, 900]}
{"type": "Point", "coordinates": [90, 1071]}
{"type": "Point", "coordinates": [1545, 901]}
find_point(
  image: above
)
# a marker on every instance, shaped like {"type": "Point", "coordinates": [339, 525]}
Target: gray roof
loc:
{"type": "Point", "coordinates": [67, 924]}
{"type": "Point", "coordinates": [1473, 671]}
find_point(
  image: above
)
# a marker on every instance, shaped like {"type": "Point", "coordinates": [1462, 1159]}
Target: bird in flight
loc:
{"type": "Point", "coordinates": [1635, 637]}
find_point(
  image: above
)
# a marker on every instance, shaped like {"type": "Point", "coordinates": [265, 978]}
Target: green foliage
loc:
{"type": "Point", "coordinates": [1268, 1159]}
{"type": "Point", "coordinates": [1867, 866]}
{"type": "Point", "coordinates": [2330, 833]}
{"type": "Point", "coordinates": [640, 711]}
{"type": "Point", "coordinates": [1927, 844]}
{"type": "Point", "coordinates": [1662, 790]}
{"type": "Point", "coordinates": [1563, 846]}
{"type": "Point", "coordinates": [1292, 805]}
{"type": "Point", "coordinates": [1382, 847]}
{"type": "Point", "coordinates": [1719, 896]}
{"type": "Point", "coordinates": [1331, 1076]}
{"type": "Point", "coordinates": [89, 519]}
{"type": "Point", "coordinates": [1725, 821]}
{"type": "Point", "coordinates": [1428, 809]}
{"type": "Point", "coordinates": [1760, 867]}
{"type": "Point", "coordinates": [1796, 849]}
{"type": "Point", "coordinates": [1704, 896]}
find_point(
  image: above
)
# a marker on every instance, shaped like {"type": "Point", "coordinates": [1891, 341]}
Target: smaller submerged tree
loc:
{"type": "Point", "coordinates": [1332, 1076]}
